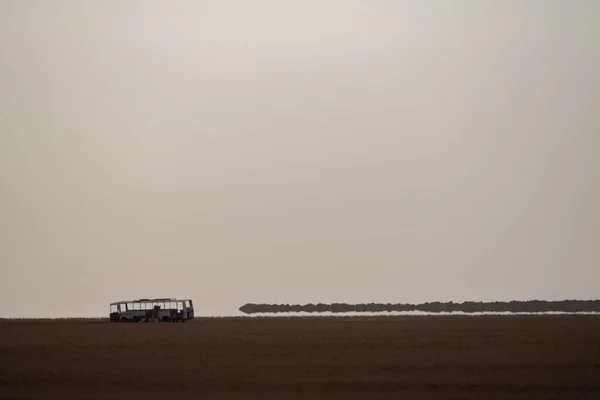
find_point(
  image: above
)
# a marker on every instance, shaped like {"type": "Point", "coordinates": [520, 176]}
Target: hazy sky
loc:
{"type": "Point", "coordinates": [297, 151]}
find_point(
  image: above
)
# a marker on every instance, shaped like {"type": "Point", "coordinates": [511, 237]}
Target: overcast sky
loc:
{"type": "Point", "coordinates": [296, 152]}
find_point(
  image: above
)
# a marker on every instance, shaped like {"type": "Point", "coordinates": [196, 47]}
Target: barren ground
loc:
{"type": "Point", "coordinates": [455, 357]}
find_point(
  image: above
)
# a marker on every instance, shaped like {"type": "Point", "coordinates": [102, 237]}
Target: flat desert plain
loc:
{"type": "Point", "coordinates": [416, 357]}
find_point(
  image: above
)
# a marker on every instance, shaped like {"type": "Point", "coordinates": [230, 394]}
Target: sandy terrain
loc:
{"type": "Point", "coordinates": [438, 357]}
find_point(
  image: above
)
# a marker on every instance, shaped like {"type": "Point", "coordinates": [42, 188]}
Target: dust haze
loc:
{"type": "Point", "coordinates": [297, 152]}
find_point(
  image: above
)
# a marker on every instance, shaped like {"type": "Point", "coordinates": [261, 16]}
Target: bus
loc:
{"type": "Point", "coordinates": [152, 310]}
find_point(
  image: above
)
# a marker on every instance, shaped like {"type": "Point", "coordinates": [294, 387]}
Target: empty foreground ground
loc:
{"type": "Point", "coordinates": [457, 357]}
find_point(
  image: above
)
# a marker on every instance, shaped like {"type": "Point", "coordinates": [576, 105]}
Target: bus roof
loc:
{"type": "Point", "coordinates": [162, 300]}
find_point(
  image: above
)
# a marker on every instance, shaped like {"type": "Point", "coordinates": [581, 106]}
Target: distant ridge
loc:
{"type": "Point", "coordinates": [435, 307]}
